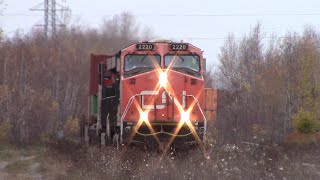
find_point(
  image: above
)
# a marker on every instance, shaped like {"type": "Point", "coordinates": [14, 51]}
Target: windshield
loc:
{"type": "Point", "coordinates": [133, 61]}
{"type": "Point", "coordinates": [183, 61]}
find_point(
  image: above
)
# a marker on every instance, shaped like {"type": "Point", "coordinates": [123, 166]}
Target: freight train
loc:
{"type": "Point", "coordinates": [150, 93]}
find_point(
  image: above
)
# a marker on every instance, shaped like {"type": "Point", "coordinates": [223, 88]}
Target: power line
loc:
{"type": "Point", "coordinates": [235, 38]}
{"type": "Point", "coordinates": [195, 15]}
{"type": "Point", "coordinates": [21, 14]}
{"type": "Point", "coordinates": [49, 7]}
{"type": "Point", "coordinates": [230, 15]}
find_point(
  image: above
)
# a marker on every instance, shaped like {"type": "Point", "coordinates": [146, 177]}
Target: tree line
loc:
{"type": "Point", "coordinates": [269, 87]}
{"type": "Point", "coordinates": [44, 82]}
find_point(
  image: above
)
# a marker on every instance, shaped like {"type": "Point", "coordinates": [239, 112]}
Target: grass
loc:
{"type": "Point", "coordinates": [230, 161]}
{"type": "Point", "coordinates": [21, 158]}
{"type": "Point", "coordinates": [301, 139]}
{"type": "Point", "coordinates": [53, 166]}
{"type": "Point", "coordinates": [10, 152]}
{"type": "Point", "coordinates": [7, 152]}
{"type": "Point", "coordinates": [5, 155]}
{"type": "Point", "coordinates": [17, 167]}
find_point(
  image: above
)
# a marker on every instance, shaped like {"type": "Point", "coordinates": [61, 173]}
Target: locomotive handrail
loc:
{"type": "Point", "coordinates": [109, 97]}
{"type": "Point", "coordinates": [205, 119]}
{"type": "Point", "coordinates": [129, 104]}
{"type": "Point", "coordinates": [125, 113]}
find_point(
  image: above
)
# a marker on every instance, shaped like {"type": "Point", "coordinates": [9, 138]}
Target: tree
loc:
{"type": "Point", "coordinates": [273, 89]}
{"type": "Point", "coordinates": [1, 31]}
{"type": "Point", "coordinates": [307, 118]}
{"type": "Point", "coordinates": [45, 82]}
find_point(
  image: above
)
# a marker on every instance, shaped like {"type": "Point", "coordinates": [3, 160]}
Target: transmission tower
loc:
{"type": "Point", "coordinates": [51, 20]}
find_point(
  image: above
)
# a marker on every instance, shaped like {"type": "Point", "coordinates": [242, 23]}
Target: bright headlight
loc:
{"type": "Point", "coordinates": [144, 116]}
{"type": "Point", "coordinates": [163, 79]}
{"type": "Point", "coordinates": [185, 116]}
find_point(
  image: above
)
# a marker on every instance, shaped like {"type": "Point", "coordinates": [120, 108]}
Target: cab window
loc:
{"type": "Point", "coordinates": [190, 62]}
{"type": "Point", "coordinates": [138, 61]}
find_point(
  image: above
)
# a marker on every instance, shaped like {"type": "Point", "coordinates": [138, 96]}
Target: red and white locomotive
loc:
{"type": "Point", "coordinates": [149, 89]}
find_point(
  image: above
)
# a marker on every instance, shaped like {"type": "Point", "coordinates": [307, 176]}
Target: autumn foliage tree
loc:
{"type": "Point", "coordinates": [44, 82]}
{"type": "Point", "coordinates": [272, 87]}
{"type": "Point", "coordinates": [307, 119]}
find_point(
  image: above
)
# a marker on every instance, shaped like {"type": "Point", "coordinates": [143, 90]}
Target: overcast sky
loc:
{"type": "Point", "coordinates": [204, 23]}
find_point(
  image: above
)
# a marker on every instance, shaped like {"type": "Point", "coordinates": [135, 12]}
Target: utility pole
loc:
{"type": "Point", "coordinates": [51, 20]}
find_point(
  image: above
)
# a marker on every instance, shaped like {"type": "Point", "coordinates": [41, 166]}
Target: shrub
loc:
{"type": "Point", "coordinates": [305, 122]}
{"type": "Point", "coordinates": [71, 127]}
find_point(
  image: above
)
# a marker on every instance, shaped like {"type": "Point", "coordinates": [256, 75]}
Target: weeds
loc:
{"type": "Point", "coordinates": [17, 167]}
{"type": "Point", "coordinates": [69, 160]}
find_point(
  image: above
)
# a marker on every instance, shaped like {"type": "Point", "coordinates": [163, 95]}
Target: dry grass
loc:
{"type": "Point", "coordinates": [31, 162]}
{"type": "Point", "coordinates": [69, 160]}
{"type": "Point", "coordinates": [228, 161]}
{"type": "Point", "coordinates": [299, 139]}
{"type": "Point", "coordinates": [18, 167]}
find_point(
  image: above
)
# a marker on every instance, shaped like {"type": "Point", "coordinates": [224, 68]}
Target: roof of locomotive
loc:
{"type": "Point", "coordinates": [165, 41]}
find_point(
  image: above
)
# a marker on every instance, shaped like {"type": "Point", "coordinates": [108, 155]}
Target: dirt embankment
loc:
{"type": "Point", "coordinates": [229, 161]}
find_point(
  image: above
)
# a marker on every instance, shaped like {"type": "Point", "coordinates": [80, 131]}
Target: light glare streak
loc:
{"type": "Point", "coordinates": [185, 115]}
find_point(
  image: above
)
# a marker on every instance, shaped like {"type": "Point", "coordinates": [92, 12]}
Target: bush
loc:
{"type": "Point", "coordinates": [298, 138]}
{"type": "Point", "coordinates": [72, 127]}
{"type": "Point", "coordinates": [305, 122]}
